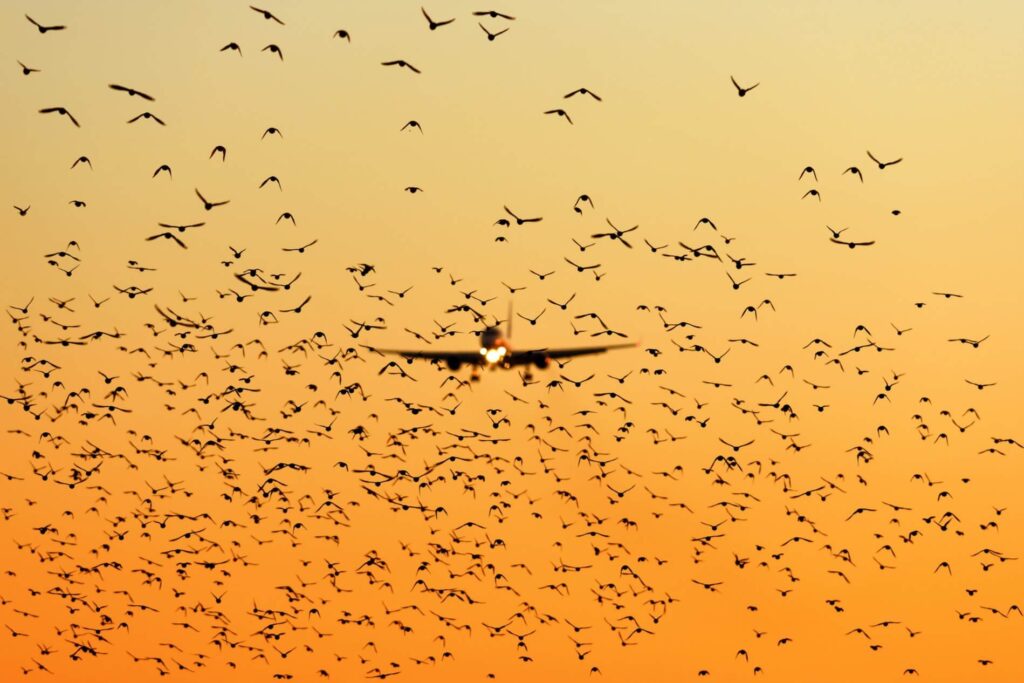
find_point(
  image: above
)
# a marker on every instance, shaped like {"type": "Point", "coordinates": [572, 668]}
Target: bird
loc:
{"type": "Point", "coordinates": [560, 113]}
{"type": "Point", "coordinates": [851, 245]}
{"type": "Point", "coordinates": [616, 234]}
{"type": "Point", "coordinates": [583, 91]}
{"type": "Point", "coordinates": [401, 63]}
{"type": "Point", "coordinates": [582, 199]}
{"type": "Point", "coordinates": [434, 25]}
{"type": "Point", "coordinates": [274, 49]}
{"type": "Point", "coordinates": [207, 204]}
{"type": "Point", "coordinates": [63, 112]}
{"type": "Point", "coordinates": [181, 227]}
{"type": "Point", "coordinates": [131, 92]}
{"type": "Point", "coordinates": [491, 36]}
{"type": "Point", "coordinates": [882, 164]}
{"type": "Point", "coordinates": [43, 28]}
{"type": "Point", "coordinates": [522, 221]}
{"type": "Point", "coordinates": [493, 14]}
{"type": "Point", "coordinates": [148, 116]}
{"type": "Point", "coordinates": [167, 235]}
{"type": "Point", "coordinates": [266, 14]}
{"type": "Point", "coordinates": [742, 92]}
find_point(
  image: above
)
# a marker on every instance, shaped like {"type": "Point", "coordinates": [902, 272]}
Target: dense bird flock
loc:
{"type": "Point", "coordinates": [201, 479]}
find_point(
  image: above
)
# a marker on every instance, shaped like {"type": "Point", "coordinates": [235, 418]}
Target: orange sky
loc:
{"type": "Point", "coordinates": [117, 577]}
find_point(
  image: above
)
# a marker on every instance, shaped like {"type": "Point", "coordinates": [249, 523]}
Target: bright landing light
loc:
{"type": "Point", "coordinates": [493, 355]}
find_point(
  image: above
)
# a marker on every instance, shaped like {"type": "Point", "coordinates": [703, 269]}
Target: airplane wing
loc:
{"type": "Point", "coordinates": [539, 357]}
{"type": "Point", "coordinates": [533, 355]}
{"type": "Point", "coordinates": [450, 357]}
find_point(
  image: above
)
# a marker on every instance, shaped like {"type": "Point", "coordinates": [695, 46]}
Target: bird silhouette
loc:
{"type": "Point", "coordinates": [42, 28]}
{"type": "Point", "coordinates": [882, 164]}
{"type": "Point", "coordinates": [434, 25]}
{"type": "Point", "coordinates": [63, 112]}
{"type": "Point", "coordinates": [741, 91]}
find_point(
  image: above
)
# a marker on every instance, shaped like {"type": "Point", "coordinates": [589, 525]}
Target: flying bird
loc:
{"type": "Point", "coordinates": [582, 91]}
{"type": "Point", "coordinates": [883, 164]}
{"type": "Point", "coordinates": [131, 92]}
{"type": "Point", "coordinates": [402, 64]}
{"type": "Point", "coordinates": [561, 113]}
{"type": "Point", "coordinates": [741, 91]}
{"type": "Point", "coordinates": [434, 25]}
{"type": "Point", "coordinates": [266, 14]}
{"type": "Point", "coordinates": [43, 28]}
{"type": "Point", "coordinates": [63, 112]}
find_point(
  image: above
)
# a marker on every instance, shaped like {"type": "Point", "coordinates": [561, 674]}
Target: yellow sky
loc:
{"type": "Point", "coordinates": [937, 84]}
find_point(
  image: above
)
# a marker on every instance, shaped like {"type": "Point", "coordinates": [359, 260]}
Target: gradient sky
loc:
{"type": "Point", "coordinates": [938, 84]}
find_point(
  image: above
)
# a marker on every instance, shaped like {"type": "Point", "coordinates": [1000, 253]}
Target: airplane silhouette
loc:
{"type": "Point", "coordinates": [496, 352]}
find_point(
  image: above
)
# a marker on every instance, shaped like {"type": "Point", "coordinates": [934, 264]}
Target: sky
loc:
{"type": "Point", "coordinates": [289, 530]}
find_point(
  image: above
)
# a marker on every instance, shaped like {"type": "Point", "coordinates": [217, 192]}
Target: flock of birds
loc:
{"type": "Point", "coordinates": [187, 477]}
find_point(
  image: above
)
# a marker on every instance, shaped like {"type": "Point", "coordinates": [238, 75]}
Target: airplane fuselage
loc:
{"type": "Point", "coordinates": [494, 349]}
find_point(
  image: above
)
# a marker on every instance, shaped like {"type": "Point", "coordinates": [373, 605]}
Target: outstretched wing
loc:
{"type": "Point", "coordinates": [533, 355]}
{"type": "Point", "coordinates": [450, 357]}
{"type": "Point", "coordinates": [528, 357]}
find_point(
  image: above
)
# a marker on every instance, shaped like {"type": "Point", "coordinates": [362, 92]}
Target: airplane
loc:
{"type": "Point", "coordinates": [496, 352]}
